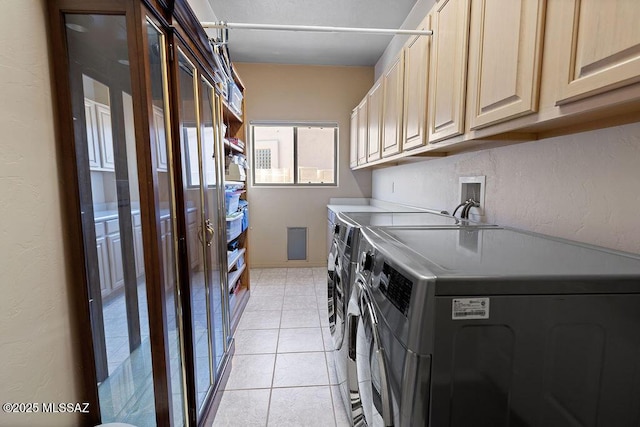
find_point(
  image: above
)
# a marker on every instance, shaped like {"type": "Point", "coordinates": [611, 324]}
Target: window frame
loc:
{"type": "Point", "coordinates": [295, 126]}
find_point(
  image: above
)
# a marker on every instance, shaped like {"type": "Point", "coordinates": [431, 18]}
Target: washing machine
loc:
{"type": "Point", "coordinates": [492, 327]}
{"type": "Point", "coordinates": [341, 271]}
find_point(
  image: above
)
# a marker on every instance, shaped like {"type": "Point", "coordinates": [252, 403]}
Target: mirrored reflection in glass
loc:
{"type": "Point", "coordinates": [156, 49]}
{"type": "Point", "coordinates": [110, 203]}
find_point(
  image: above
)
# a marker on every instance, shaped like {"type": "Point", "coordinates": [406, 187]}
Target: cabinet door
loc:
{"type": "Point", "coordinates": [600, 47]}
{"type": "Point", "coordinates": [103, 266]}
{"type": "Point", "coordinates": [92, 134]}
{"type": "Point", "coordinates": [374, 108]}
{"type": "Point", "coordinates": [448, 69]}
{"type": "Point", "coordinates": [105, 135]}
{"type": "Point", "coordinates": [416, 79]}
{"type": "Point", "coordinates": [116, 269]}
{"type": "Point", "coordinates": [505, 51]}
{"type": "Point", "coordinates": [363, 131]}
{"type": "Point", "coordinates": [353, 143]}
{"type": "Point", "coordinates": [392, 107]}
{"type": "Point", "coordinates": [161, 144]}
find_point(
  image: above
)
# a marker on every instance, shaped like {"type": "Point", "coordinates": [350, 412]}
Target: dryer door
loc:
{"type": "Point", "coordinates": [335, 295]}
{"type": "Point", "coordinates": [371, 397]}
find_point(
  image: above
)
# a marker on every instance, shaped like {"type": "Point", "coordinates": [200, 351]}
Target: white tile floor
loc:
{"type": "Point", "coordinates": [282, 371]}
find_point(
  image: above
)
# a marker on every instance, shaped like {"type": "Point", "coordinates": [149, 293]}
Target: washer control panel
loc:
{"type": "Point", "coordinates": [396, 288]}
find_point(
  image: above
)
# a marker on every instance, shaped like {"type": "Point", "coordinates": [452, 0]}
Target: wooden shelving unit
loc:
{"type": "Point", "coordinates": [238, 278]}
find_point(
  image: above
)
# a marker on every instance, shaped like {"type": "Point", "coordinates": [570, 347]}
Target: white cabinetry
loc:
{"type": "Point", "coordinates": [93, 146]}
{"type": "Point", "coordinates": [161, 144]}
{"type": "Point", "coordinates": [103, 259]}
{"type": "Point", "coordinates": [114, 247]}
{"type": "Point", "coordinates": [99, 135]}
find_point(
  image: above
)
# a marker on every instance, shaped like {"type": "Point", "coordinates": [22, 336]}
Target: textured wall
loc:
{"type": "Point", "coordinates": [583, 186]}
{"type": "Point", "coordinates": [301, 93]}
{"type": "Point", "coordinates": [36, 350]}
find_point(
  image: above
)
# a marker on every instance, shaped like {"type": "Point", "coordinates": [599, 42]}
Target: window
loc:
{"type": "Point", "coordinates": [294, 154]}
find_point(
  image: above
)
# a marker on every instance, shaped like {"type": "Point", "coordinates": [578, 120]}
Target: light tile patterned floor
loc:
{"type": "Point", "coordinates": [282, 371]}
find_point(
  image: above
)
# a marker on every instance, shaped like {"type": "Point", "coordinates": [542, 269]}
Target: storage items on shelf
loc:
{"type": "Point", "coordinates": [231, 199]}
{"type": "Point", "coordinates": [234, 225]}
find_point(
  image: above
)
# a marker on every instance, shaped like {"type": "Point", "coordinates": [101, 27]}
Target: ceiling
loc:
{"type": "Point", "coordinates": [288, 47]}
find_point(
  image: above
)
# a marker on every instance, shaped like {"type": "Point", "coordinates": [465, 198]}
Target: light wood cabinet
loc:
{"type": "Point", "coordinates": [393, 84]}
{"type": "Point", "coordinates": [505, 53]}
{"type": "Point", "coordinates": [600, 47]}
{"type": "Point", "coordinates": [448, 69]}
{"type": "Point", "coordinates": [416, 82]}
{"type": "Point", "coordinates": [363, 130]}
{"type": "Point", "coordinates": [374, 108]}
{"type": "Point", "coordinates": [353, 139]}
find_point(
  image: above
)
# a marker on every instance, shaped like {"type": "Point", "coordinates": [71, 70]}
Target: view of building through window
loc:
{"type": "Point", "coordinates": [294, 154]}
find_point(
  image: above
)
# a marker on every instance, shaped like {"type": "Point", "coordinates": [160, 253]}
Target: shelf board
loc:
{"type": "Point", "coordinates": [235, 275]}
{"type": "Point", "coordinates": [226, 181]}
{"type": "Point", "coordinates": [228, 114]}
{"type": "Point", "coordinates": [231, 261]}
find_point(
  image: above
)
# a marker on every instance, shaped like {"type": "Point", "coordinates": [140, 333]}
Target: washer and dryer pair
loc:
{"type": "Point", "coordinates": [341, 272]}
{"type": "Point", "coordinates": [484, 327]}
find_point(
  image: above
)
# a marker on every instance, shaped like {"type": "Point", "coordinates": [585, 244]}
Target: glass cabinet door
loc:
{"type": "Point", "coordinates": [161, 147]}
{"type": "Point", "coordinates": [105, 147]}
{"type": "Point", "coordinates": [210, 165]}
{"type": "Point", "coordinates": [201, 198]}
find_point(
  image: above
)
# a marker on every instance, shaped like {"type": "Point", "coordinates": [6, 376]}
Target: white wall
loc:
{"type": "Point", "coordinates": [301, 93]}
{"type": "Point", "coordinates": [36, 347]}
{"type": "Point", "coordinates": [584, 186]}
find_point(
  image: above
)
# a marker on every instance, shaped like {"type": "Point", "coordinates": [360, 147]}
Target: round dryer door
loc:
{"type": "Point", "coordinates": [372, 391]}
{"type": "Point", "coordinates": [335, 295]}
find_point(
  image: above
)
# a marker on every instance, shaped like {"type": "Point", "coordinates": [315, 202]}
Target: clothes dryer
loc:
{"type": "Point", "coordinates": [489, 327]}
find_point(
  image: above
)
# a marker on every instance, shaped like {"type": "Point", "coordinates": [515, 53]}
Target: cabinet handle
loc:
{"type": "Point", "coordinates": [210, 231]}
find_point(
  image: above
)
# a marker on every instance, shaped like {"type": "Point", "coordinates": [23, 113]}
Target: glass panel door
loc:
{"type": "Point", "coordinates": [201, 193]}
{"type": "Point", "coordinates": [197, 234]}
{"type": "Point", "coordinates": [161, 146]}
{"type": "Point", "coordinates": [210, 166]}
{"type": "Point", "coordinates": [105, 149]}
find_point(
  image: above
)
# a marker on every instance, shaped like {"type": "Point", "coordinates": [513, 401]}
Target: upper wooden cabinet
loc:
{"type": "Point", "coordinates": [448, 69]}
{"type": "Point", "coordinates": [600, 47]}
{"type": "Point", "coordinates": [393, 84]}
{"type": "Point", "coordinates": [505, 51]}
{"type": "Point", "coordinates": [363, 131]}
{"type": "Point", "coordinates": [416, 66]}
{"type": "Point", "coordinates": [353, 143]}
{"type": "Point", "coordinates": [374, 108]}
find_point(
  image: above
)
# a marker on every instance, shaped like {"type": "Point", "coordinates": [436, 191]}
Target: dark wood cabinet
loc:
{"type": "Point", "coordinates": [141, 108]}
